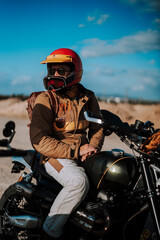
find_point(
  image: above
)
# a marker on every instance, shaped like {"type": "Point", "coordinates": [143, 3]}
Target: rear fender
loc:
{"type": "Point", "coordinates": [26, 161]}
{"type": "Point", "coordinates": [19, 164]}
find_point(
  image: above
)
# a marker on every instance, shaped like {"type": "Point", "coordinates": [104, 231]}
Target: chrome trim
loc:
{"type": "Point", "coordinates": [23, 221]}
{"type": "Point", "coordinates": [90, 119]}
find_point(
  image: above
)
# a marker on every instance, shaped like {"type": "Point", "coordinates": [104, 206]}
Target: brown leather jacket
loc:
{"type": "Point", "coordinates": [58, 131]}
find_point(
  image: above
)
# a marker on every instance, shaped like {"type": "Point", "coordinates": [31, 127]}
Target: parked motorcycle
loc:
{"type": "Point", "coordinates": [124, 197]}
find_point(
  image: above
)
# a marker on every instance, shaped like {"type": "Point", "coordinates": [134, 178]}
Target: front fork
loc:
{"type": "Point", "coordinates": [151, 195]}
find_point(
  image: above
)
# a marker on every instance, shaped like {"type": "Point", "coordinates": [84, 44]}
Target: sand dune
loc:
{"type": "Point", "coordinates": [14, 107]}
{"type": "Point", "coordinates": [131, 112]}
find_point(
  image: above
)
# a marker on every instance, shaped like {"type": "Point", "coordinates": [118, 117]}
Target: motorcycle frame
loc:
{"type": "Point", "coordinates": [147, 180]}
{"type": "Point", "coordinates": [150, 193]}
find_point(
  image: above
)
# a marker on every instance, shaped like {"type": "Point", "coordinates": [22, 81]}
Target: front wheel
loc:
{"type": "Point", "coordinates": [13, 204]}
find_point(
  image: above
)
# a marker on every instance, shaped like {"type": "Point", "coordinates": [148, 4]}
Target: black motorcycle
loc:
{"type": "Point", "coordinates": [124, 197]}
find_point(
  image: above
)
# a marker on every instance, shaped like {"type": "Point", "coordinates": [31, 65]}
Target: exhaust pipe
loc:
{"type": "Point", "coordinates": [83, 219]}
{"type": "Point", "coordinates": [24, 221]}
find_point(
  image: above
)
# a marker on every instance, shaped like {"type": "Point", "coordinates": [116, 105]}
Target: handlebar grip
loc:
{"type": "Point", "coordinates": [13, 153]}
{"type": "Point", "coordinates": [3, 143]}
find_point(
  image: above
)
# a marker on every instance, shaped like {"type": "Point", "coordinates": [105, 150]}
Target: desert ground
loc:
{"type": "Point", "coordinates": [15, 110]}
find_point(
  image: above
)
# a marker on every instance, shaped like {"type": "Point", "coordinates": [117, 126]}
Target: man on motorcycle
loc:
{"type": "Point", "coordinates": [60, 133]}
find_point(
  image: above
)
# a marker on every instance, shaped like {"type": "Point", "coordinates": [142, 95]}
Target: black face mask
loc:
{"type": "Point", "coordinates": [58, 83]}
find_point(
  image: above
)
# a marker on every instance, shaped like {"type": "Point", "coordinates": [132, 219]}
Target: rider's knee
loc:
{"type": "Point", "coordinates": [81, 184]}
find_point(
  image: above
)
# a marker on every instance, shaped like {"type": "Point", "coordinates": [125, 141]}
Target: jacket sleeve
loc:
{"type": "Point", "coordinates": [41, 133]}
{"type": "Point", "coordinates": [95, 134]}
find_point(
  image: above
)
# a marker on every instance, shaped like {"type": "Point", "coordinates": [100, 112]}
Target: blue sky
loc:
{"type": "Point", "coordinates": [118, 41]}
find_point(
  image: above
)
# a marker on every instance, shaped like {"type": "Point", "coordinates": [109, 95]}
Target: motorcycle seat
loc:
{"type": "Point", "coordinates": [33, 159]}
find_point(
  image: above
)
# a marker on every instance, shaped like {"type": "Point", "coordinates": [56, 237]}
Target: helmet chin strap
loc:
{"type": "Point", "coordinates": [66, 89]}
{"type": "Point", "coordinates": [70, 78]}
{"type": "Point", "coordinates": [50, 87]}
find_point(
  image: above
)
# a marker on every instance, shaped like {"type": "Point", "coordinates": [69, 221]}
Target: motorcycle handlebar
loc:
{"type": "Point", "coordinates": [112, 123]}
{"type": "Point", "coordinates": [13, 153]}
{"type": "Point", "coordinates": [121, 129]}
{"type": "Point", "coordinates": [4, 143]}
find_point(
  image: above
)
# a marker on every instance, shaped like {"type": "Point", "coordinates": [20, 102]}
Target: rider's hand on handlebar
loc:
{"type": "Point", "coordinates": [151, 143]}
{"type": "Point", "coordinates": [86, 150]}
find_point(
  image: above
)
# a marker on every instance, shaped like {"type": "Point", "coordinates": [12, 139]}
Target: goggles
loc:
{"type": "Point", "coordinates": [61, 71]}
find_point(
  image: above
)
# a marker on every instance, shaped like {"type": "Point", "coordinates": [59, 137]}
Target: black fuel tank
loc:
{"type": "Point", "coordinates": [111, 170]}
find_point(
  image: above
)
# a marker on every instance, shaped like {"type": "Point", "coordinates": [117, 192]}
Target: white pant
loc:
{"type": "Point", "coordinates": [75, 187]}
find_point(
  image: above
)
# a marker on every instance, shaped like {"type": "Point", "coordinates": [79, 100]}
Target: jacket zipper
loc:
{"type": "Point", "coordinates": [75, 116]}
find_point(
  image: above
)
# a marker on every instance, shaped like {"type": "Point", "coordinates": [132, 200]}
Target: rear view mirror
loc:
{"type": "Point", "coordinates": [9, 129]}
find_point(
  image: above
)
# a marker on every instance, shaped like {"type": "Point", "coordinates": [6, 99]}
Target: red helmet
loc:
{"type": "Point", "coordinates": [68, 56]}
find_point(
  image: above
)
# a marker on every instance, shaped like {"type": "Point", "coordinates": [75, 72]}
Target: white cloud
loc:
{"type": "Point", "coordinates": [98, 18]}
{"type": "Point", "coordinates": [102, 18]}
{"type": "Point", "coordinates": [95, 18]}
{"type": "Point", "coordinates": [138, 87]}
{"type": "Point", "coordinates": [92, 41]}
{"type": "Point", "coordinates": [144, 83]}
{"type": "Point", "coordinates": [150, 81]}
{"type": "Point", "coordinates": [145, 80]}
{"type": "Point", "coordinates": [107, 71]}
{"type": "Point", "coordinates": [21, 80]}
{"type": "Point", "coordinates": [152, 61]}
{"type": "Point", "coordinates": [81, 25]}
{"type": "Point", "coordinates": [91, 18]}
{"type": "Point", "coordinates": [144, 5]}
{"type": "Point", "coordinates": [143, 41]}
{"type": "Point", "coordinates": [157, 20]}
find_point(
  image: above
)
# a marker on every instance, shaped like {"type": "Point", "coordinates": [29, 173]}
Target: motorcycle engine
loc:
{"type": "Point", "coordinates": [93, 217]}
